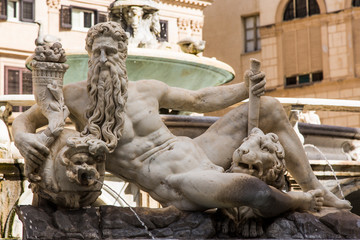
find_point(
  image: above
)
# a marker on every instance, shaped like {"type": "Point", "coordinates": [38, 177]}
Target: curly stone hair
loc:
{"type": "Point", "coordinates": [107, 29]}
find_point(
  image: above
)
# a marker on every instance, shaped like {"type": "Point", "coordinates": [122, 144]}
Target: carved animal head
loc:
{"type": "Point", "coordinates": [261, 156]}
{"type": "Point", "coordinates": [81, 166]}
{"type": "Point", "coordinates": [73, 174]}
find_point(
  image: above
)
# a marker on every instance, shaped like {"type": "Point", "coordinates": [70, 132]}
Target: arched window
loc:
{"type": "Point", "coordinates": [302, 8]}
{"type": "Point", "coordinates": [356, 3]}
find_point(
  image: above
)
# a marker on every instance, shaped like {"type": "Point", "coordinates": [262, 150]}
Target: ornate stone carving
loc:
{"type": "Point", "coordinates": [140, 19]}
{"type": "Point", "coordinates": [196, 26]}
{"type": "Point", "coordinates": [192, 46]}
{"type": "Point", "coordinates": [71, 175]}
{"type": "Point", "coordinates": [55, 4]}
{"type": "Point", "coordinates": [183, 24]}
{"type": "Point", "coordinates": [122, 120]}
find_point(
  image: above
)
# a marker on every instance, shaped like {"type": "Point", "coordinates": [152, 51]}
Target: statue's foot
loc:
{"type": "Point", "coordinates": [330, 200]}
{"type": "Point", "coordinates": [311, 201]}
{"type": "Point", "coordinates": [314, 200]}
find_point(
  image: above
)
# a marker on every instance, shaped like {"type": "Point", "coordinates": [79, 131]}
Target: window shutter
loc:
{"type": "Point", "coordinates": [289, 53]}
{"type": "Point", "coordinates": [3, 9]}
{"type": "Point", "coordinates": [315, 49]}
{"type": "Point", "coordinates": [356, 37]}
{"type": "Point", "coordinates": [302, 50]}
{"type": "Point", "coordinates": [27, 10]}
{"type": "Point", "coordinates": [65, 17]}
{"type": "Point", "coordinates": [101, 17]}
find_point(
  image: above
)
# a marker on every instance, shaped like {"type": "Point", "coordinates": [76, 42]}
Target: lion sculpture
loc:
{"type": "Point", "coordinates": [262, 156]}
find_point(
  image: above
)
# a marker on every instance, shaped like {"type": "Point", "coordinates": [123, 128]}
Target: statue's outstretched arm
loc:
{"type": "Point", "coordinates": [204, 100]}
{"type": "Point", "coordinates": [211, 98]}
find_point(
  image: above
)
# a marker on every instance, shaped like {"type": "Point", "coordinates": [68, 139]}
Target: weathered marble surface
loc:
{"type": "Point", "coordinates": [109, 222]}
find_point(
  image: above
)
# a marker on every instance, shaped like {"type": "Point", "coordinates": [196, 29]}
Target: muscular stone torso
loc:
{"type": "Point", "coordinates": [147, 152]}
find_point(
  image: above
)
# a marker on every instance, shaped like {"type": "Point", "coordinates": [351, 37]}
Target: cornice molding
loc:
{"type": "Point", "coordinates": [189, 3]}
{"type": "Point", "coordinates": [104, 3]}
{"type": "Point", "coordinates": [185, 23]}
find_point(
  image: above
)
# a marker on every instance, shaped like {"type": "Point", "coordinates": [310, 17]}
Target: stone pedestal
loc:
{"type": "Point", "coordinates": [108, 222]}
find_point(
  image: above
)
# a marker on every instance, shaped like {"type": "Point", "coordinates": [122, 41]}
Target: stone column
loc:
{"type": "Point", "coordinates": [53, 16]}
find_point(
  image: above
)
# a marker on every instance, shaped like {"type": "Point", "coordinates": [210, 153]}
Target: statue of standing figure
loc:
{"type": "Point", "coordinates": [189, 174]}
{"type": "Point", "coordinates": [139, 19]}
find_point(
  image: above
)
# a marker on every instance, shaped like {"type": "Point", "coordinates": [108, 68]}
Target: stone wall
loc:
{"type": "Point", "coordinates": [327, 42]}
{"type": "Point", "coordinates": [11, 188]}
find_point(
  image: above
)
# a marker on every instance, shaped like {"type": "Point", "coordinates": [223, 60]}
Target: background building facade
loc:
{"type": "Point", "coordinates": [308, 48]}
{"type": "Point", "coordinates": [69, 20]}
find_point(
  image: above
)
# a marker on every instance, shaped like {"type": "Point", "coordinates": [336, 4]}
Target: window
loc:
{"type": "Point", "coordinates": [80, 18]}
{"type": "Point", "coordinates": [163, 31]}
{"type": "Point", "coordinates": [356, 3]}
{"type": "Point", "coordinates": [303, 79]}
{"type": "Point", "coordinates": [18, 81]}
{"type": "Point", "coordinates": [13, 10]}
{"type": "Point", "coordinates": [252, 33]}
{"type": "Point", "coordinates": [3, 9]}
{"type": "Point", "coordinates": [300, 9]}
{"type": "Point", "coordinates": [17, 10]}
{"type": "Point", "coordinates": [302, 54]}
{"type": "Point", "coordinates": [27, 10]}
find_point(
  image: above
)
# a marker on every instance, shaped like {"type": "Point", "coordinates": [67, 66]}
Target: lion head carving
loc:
{"type": "Point", "coordinates": [72, 176]}
{"type": "Point", "coordinates": [261, 156]}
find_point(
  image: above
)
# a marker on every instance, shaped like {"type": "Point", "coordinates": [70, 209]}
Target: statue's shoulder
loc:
{"type": "Point", "coordinates": [151, 85]}
{"type": "Point", "coordinates": [74, 91]}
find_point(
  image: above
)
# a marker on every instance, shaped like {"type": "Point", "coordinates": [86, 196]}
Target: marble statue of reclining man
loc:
{"type": "Point", "coordinates": [186, 173]}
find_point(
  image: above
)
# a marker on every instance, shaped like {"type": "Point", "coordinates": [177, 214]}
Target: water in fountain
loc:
{"type": "Point", "coordinates": [327, 161]}
{"type": "Point", "coordinates": [136, 215]}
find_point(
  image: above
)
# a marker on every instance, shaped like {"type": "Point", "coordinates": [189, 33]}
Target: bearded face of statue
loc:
{"type": "Point", "coordinates": [134, 17]}
{"type": "Point", "coordinates": [107, 89]}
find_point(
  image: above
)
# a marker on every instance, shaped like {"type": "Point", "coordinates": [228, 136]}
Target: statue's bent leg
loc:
{"type": "Point", "coordinates": [213, 189]}
{"type": "Point", "coordinates": [274, 119]}
{"type": "Point", "coordinates": [224, 136]}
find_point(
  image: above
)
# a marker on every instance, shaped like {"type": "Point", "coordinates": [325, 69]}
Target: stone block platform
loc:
{"type": "Point", "coordinates": [109, 222]}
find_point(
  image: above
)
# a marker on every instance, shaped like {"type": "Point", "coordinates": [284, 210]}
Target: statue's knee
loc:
{"type": "Point", "coordinates": [272, 108]}
{"type": "Point", "coordinates": [270, 102]}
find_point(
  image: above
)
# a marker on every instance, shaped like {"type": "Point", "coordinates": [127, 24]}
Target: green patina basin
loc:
{"type": "Point", "coordinates": [174, 68]}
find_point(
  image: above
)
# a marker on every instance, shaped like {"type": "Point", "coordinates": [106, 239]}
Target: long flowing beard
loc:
{"type": "Point", "coordinates": [108, 95]}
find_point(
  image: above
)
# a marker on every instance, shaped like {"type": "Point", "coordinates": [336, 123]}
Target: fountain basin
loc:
{"type": "Point", "coordinates": [174, 68]}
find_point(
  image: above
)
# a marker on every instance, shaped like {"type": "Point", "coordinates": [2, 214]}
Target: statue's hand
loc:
{"type": "Point", "coordinates": [259, 79]}
{"type": "Point", "coordinates": [32, 149]}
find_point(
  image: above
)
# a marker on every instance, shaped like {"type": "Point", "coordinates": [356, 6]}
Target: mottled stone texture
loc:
{"type": "Point", "coordinates": [10, 191]}
{"type": "Point", "coordinates": [109, 222]}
